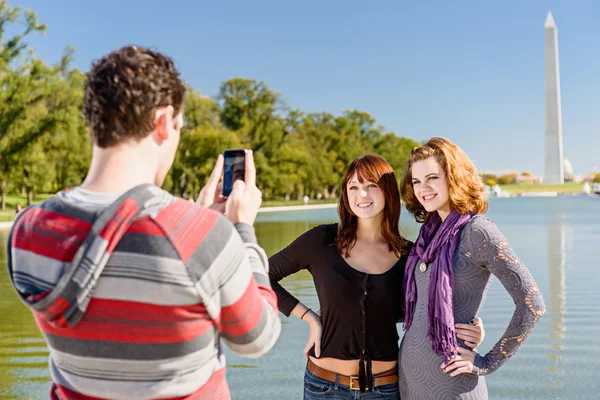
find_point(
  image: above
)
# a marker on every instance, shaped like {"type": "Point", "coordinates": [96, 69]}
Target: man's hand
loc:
{"type": "Point", "coordinates": [244, 200]}
{"type": "Point", "coordinates": [210, 195]}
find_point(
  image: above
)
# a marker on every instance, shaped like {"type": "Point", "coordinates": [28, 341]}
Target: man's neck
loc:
{"type": "Point", "coordinates": [118, 169]}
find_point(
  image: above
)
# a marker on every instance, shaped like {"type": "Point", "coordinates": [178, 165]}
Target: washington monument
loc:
{"type": "Point", "coordinates": [554, 167]}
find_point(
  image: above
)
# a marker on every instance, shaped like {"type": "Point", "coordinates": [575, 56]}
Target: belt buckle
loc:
{"type": "Point", "coordinates": [354, 379]}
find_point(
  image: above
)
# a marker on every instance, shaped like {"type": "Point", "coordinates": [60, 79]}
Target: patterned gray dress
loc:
{"type": "Point", "coordinates": [481, 252]}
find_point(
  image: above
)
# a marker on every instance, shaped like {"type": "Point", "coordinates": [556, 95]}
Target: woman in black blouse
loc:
{"type": "Point", "coordinates": [358, 270]}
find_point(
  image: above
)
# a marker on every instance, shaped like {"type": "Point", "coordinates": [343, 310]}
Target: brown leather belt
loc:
{"type": "Point", "coordinates": [383, 378]}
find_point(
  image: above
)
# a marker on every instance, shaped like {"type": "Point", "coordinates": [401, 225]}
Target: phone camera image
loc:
{"type": "Point", "coordinates": [234, 168]}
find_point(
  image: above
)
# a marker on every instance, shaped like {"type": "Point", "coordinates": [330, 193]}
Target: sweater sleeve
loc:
{"type": "Point", "coordinates": [232, 280]}
{"type": "Point", "coordinates": [490, 249]}
{"type": "Point", "coordinates": [295, 257]}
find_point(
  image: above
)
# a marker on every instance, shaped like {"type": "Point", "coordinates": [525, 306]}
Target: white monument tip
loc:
{"type": "Point", "coordinates": [550, 21]}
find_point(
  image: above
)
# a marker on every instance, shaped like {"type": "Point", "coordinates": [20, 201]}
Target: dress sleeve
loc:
{"type": "Point", "coordinates": [295, 257]}
{"type": "Point", "coordinates": [490, 249]}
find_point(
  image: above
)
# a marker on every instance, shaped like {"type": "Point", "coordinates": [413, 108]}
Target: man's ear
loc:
{"type": "Point", "coordinates": [164, 122]}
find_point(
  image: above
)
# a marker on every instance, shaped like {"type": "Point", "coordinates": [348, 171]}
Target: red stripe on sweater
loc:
{"type": "Point", "coordinates": [59, 236]}
{"type": "Point", "coordinates": [49, 234]}
{"type": "Point", "coordinates": [131, 322]}
{"type": "Point", "coordinates": [116, 227]}
{"type": "Point", "coordinates": [146, 225]}
{"type": "Point", "coordinates": [268, 294]}
{"type": "Point", "coordinates": [190, 229]}
{"type": "Point", "coordinates": [242, 316]}
{"type": "Point", "coordinates": [58, 392]}
{"type": "Point", "coordinates": [214, 389]}
{"type": "Point", "coordinates": [53, 314]}
{"type": "Point", "coordinates": [54, 310]}
{"type": "Point", "coordinates": [170, 216]}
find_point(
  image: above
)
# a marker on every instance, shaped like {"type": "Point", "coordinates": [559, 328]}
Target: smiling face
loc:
{"type": "Point", "coordinates": [366, 199]}
{"type": "Point", "coordinates": [430, 185]}
{"type": "Point", "coordinates": [369, 197]}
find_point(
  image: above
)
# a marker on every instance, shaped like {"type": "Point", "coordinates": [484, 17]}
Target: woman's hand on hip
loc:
{"type": "Point", "coordinates": [314, 337]}
{"type": "Point", "coordinates": [472, 334]}
{"type": "Point", "coordinates": [463, 363]}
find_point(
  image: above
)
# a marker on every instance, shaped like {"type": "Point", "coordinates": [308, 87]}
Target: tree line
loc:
{"type": "Point", "coordinates": [44, 145]}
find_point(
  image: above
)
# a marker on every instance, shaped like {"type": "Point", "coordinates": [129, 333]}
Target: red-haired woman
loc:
{"type": "Point", "coordinates": [358, 271]}
{"type": "Point", "coordinates": [447, 275]}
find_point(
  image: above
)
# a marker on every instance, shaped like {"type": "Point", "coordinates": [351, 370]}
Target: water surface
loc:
{"type": "Point", "coordinates": [558, 239]}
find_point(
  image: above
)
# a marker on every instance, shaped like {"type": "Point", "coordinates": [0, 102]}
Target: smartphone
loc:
{"type": "Point", "coordinates": [234, 168]}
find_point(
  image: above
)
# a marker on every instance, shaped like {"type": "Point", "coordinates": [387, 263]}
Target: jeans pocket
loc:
{"type": "Point", "coordinates": [316, 387]}
{"type": "Point", "coordinates": [391, 391]}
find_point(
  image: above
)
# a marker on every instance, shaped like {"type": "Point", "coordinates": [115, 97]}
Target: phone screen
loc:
{"type": "Point", "coordinates": [234, 168]}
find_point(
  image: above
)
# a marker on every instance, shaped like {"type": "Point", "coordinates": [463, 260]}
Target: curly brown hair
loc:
{"type": "Point", "coordinates": [371, 168]}
{"type": "Point", "coordinates": [465, 185]}
{"type": "Point", "coordinates": [124, 89]}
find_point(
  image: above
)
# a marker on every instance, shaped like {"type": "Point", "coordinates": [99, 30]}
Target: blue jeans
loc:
{"type": "Point", "coordinates": [316, 388]}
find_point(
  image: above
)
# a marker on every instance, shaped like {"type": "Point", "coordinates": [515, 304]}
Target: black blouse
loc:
{"type": "Point", "coordinates": [359, 311]}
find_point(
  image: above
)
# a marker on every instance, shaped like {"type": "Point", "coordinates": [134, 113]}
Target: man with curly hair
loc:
{"type": "Point", "coordinates": [134, 289]}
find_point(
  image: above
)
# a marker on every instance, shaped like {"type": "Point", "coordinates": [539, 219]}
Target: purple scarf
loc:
{"type": "Point", "coordinates": [436, 244]}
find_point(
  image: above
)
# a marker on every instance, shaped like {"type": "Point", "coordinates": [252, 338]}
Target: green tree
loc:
{"type": "Point", "coordinates": [69, 147]}
{"type": "Point", "coordinates": [291, 166]}
{"type": "Point", "coordinates": [200, 111]}
{"type": "Point", "coordinates": [354, 134]}
{"type": "Point", "coordinates": [311, 145]}
{"type": "Point", "coordinates": [487, 177]}
{"type": "Point", "coordinates": [251, 109]}
{"type": "Point", "coordinates": [202, 139]}
{"type": "Point", "coordinates": [597, 178]}
{"type": "Point", "coordinates": [508, 179]}
{"type": "Point", "coordinates": [257, 115]}
{"type": "Point", "coordinates": [396, 151]}
{"type": "Point", "coordinates": [35, 176]}
{"type": "Point", "coordinates": [195, 159]}
{"type": "Point", "coordinates": [365, 125]}
{"type": "Point", "coordinates": [31, 104]}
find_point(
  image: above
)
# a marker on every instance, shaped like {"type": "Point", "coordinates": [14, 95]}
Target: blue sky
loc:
{"type": "Point", "coordinates": [472, 71]}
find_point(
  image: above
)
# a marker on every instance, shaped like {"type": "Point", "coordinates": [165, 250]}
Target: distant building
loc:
{"type": "Point", "coordinates": [528, 180]}
{"type": "Point", "coordinates": [578, 178]}
{"type": "Point", "coordinates": [553, 170]}
{"type": "Point", "coordinates": [568, 169]}
{"type": "Point", "coordinates": [587, 189]}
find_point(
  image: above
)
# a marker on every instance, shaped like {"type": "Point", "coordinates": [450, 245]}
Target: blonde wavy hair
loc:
{"type": "Point", "coordinates": [465, 185]}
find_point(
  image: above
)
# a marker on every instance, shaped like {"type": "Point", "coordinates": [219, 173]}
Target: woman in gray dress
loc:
{"type": "Point", "coordinates": [447, 276]}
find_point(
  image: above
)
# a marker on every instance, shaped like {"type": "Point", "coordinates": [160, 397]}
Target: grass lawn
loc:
{"type": "Point", "coordinates": [565, 188]}
{"type": "Point", "coordinates": [282, 203]}
{"type": "Point", "coordinates": [7, 215]}
{"type": "Point", "coordinates": [12, 201]}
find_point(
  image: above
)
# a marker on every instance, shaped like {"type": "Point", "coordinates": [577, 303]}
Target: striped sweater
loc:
{"type": "Point", "coordinates": [138, 306]}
